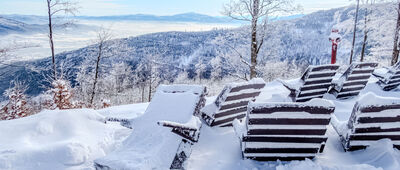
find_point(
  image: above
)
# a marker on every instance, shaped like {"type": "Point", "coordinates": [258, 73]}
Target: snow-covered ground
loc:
{"type": "Point", "coordinates": [72, 139]}
{"type": "Point", "coordinates": [68, 139]}
{"type": "Point", "coordinates": [130, 111]}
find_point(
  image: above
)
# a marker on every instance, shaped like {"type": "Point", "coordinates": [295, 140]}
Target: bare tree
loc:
{"type": "Point", "coordinates": [256, 11]}
{"type": "Point", "coordinates": [148, 71]}
{"type": "Point", "coordinates": [366, 29]}
{"type": "Point", "coordinates": [395, 55]}
{"type": "Point", "coordinates": [354, 31]}
{"type": "Point", "coordinates": [102, 37]}
{"type": "Point", "coordinates": [55, 7]}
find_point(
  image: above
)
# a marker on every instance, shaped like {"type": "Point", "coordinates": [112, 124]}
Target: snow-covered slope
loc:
{"type": "Point", "coordinates": [68, 139]}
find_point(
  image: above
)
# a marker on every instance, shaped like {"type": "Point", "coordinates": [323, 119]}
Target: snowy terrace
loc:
{"type": "Point", "coordinates": [73, 139]}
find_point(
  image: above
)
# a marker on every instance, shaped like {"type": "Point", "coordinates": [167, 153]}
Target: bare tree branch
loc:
{"type": "Point", "coordinates": [102, 37]}
{"type": "Point", "coordinates": [54, 7]}
{"type": "Point", "coordinates": [255, 11]}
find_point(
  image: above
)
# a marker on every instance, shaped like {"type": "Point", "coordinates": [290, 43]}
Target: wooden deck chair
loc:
{"type": "Point", "coordinates": [231, 103]}
{"type": "Point", "coordinates": [285, 131]}
{"type": "Point", "coordinates": [353, 80]}
{"type": "Point", "coordinates": [313, 84]}
{"type": "Point", "coordinates": [389, 78]}
{"type": "Point", "coordinates": [163, 136]}
{"type": "Point", "coordinates": [373, 118]}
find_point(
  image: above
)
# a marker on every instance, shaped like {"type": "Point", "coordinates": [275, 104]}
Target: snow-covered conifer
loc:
{"type": "Point", "coordinates": [61, 92]}
{"type": "Point", "coordinates": [17, 105]}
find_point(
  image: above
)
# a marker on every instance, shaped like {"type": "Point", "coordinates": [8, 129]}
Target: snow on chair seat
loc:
{"type": "Point", "coordinates": [151, 146]}
{"type": "Point", "coordinates": [313, 84]}
{"type": "Point", "coordinates": [373, 118]}
{"type": "Point", "coordinates": [389, 78]}
{"type": "Point", "coordinates": [353, 80]}
{"type": "Point", "coordinates": [285, 131]}
{"type": "Point", "coordinates": [232, 102]}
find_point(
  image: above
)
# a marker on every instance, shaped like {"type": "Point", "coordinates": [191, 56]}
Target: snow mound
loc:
{"type": "Point", "coordinates": [130, 111]}
{"type": "Point", "coordinates": [57, 139]}
{"type": "Point", "coordinates": [151, 146]}
{"type": "Point", "coordinates": [317, 102]}
{"type": "Point", "coordinates": [252, 81]}
{"type": "Point", "coordinates": [181, 88]}
{"type": "Point", "coordinates": [371, 99]}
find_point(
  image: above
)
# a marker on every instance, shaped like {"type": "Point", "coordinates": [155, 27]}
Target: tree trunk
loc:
{"type": "Point", "coordinates": [51, 39]}
{"type": "Point", "coordinates": [142, 86]}
{"type": "Point", "coordinates": [354, 32]}
{"type": "Point", "coordinates": [96, 73]}
{"type": "Point", "coordinates": [149, 90]}
{"type": "Point", "coordinates": [395, 55]}
{"type": "Point", "coordinates": [365, 35]}
{"type": "Point", "coordinates": [254, 44]}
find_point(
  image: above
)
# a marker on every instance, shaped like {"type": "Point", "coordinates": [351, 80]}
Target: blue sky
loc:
{"type": "Point", "coordinates": [157, 7]}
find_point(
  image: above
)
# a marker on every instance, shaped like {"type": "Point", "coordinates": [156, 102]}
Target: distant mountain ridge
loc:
{"type": "Point", "coordinates": [185, 17]}
{"type": "Point", "coordinates": [8, 25]}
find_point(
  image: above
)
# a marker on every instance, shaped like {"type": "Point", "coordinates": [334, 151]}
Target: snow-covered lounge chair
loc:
{"type": "Point", "coordinates": [353, 80]}
{"type": "Point", "coordinates": [232, 102]}
{"type": "Point", "coordinates": [313, 84]}
{"type": "Point", "coordinates": [389, 78]}
{"type": "Point", "coordinates": [163, 136]}
{"type": "Point", "coordinates": [373, 118]}
{"type": "Point", "coordinates": [284, 131]}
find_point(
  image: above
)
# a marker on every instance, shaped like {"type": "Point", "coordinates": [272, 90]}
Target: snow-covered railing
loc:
{"type": "Point", "coordinates": [285, 131]}
{"type": "Point", "coordinates": [353, 80]}
{"type": "Point", "coordinates": [389, 78]}
{"type": "Point", "coordinates": [124, 122]}
{"type": "Point", "coordinates": [313, 84]}
{"type": "Point", "coordinates": [189, 131]}
{"type": "Point", "coordinates": [232, 102]}
{"type": "Point", "coordinates": [373, 118]}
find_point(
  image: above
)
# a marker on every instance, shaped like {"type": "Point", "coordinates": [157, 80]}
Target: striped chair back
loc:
{"type": "Point", "coordinates": [316, 81]}
{"type": "Point", "coordinates": [353, 80]}
{"type": "Point", "coordinates": [231, 103]}
{"type": "Point", "coordinates": [286, 131]}
{"type": "Point", "coordinates": [392, 81]}
{"type": "Point", "coordinates": [369, 123]}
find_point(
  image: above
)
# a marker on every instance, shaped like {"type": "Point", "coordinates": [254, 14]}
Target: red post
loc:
{"type": "Point", "coordinates": [335, 38]}
{"type": "Point", "coordinates": [334, 49]}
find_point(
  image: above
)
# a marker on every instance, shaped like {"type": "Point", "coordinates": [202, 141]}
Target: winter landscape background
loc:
{"type": "Point", "coordinates": [293, 42]}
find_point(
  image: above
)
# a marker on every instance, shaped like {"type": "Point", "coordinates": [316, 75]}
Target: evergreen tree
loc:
{"type": "Point", "coordinates": [17, 105]}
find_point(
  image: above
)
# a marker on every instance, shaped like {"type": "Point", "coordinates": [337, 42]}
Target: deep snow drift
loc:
{"type": "Point", "coordinates": [68, 139]}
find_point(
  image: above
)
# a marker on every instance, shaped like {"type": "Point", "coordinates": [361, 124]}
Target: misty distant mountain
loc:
{"type": "Point", "coordinates": [185, 17]}
{"type": "Point", "coordinates": [8, 26]}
